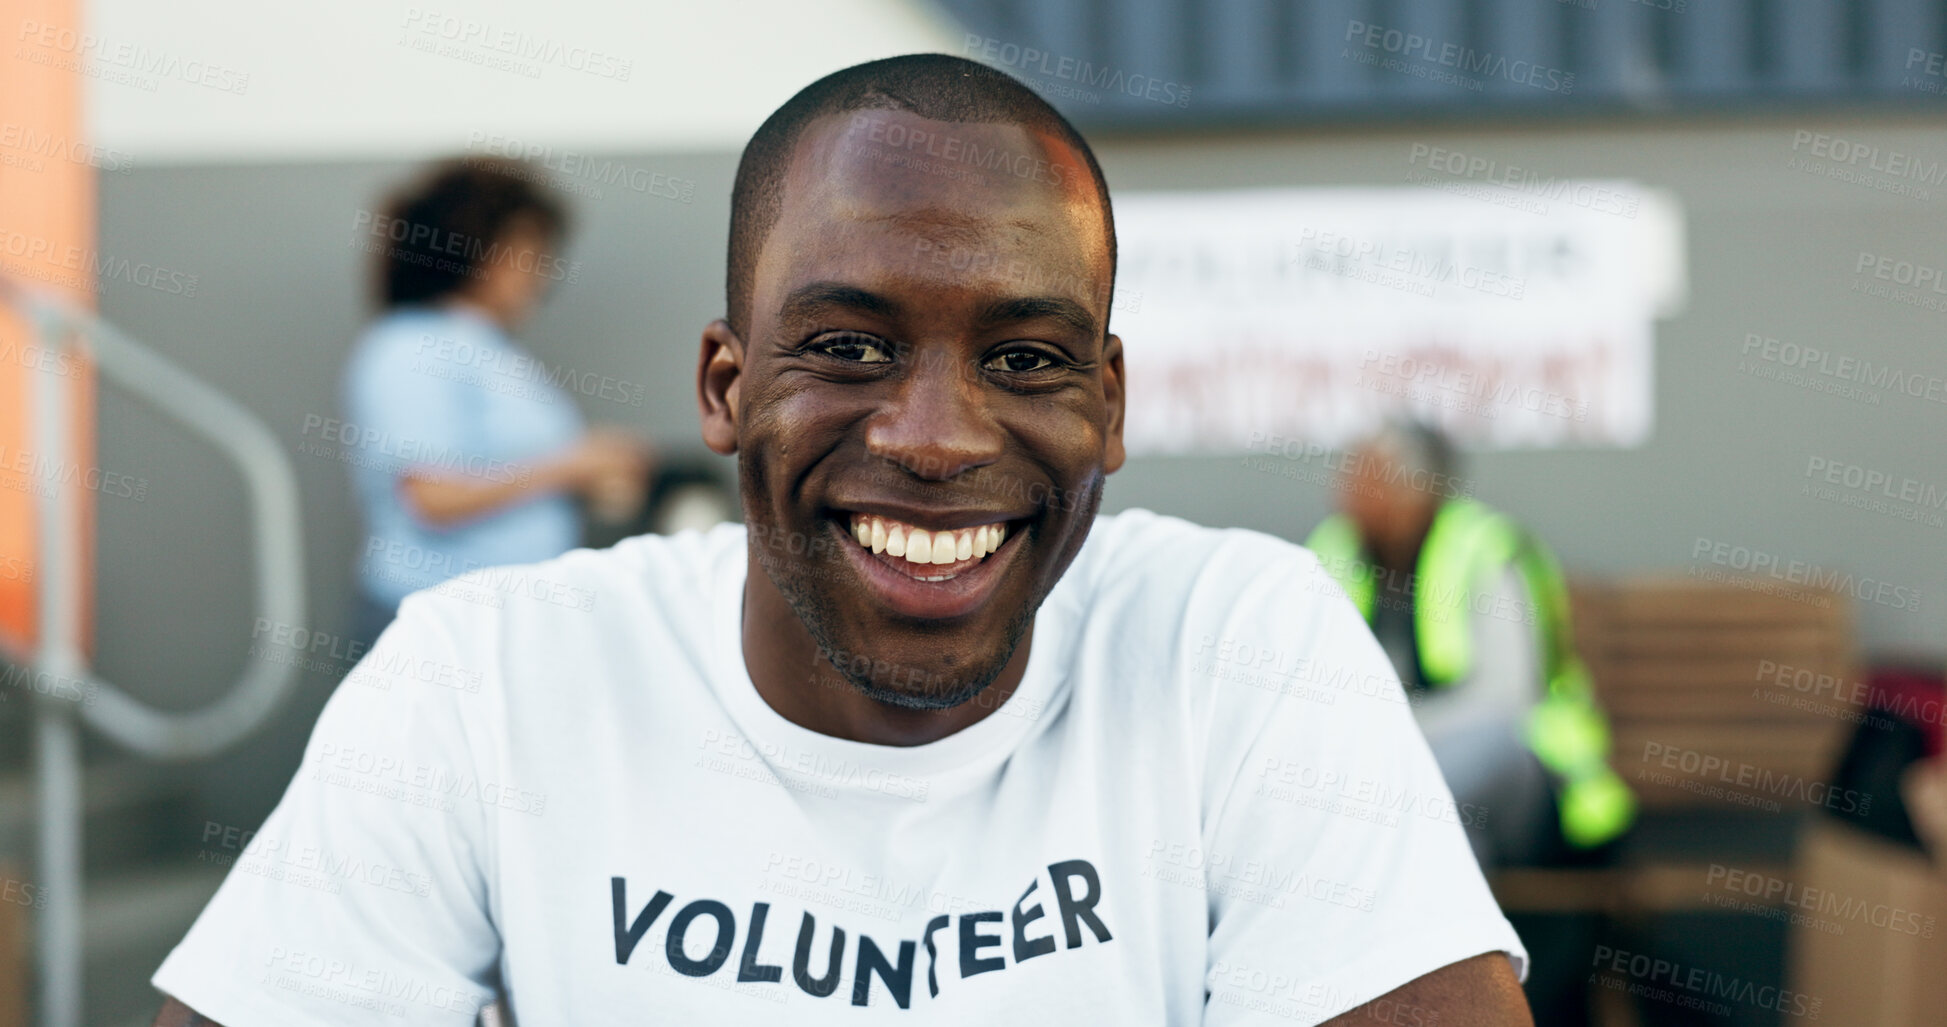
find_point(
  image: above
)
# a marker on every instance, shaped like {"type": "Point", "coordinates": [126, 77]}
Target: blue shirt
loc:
{"type": "Point", "coordinates": [446, 391]}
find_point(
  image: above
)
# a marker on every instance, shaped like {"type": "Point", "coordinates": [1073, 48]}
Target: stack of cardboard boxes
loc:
{"type": "Point", "coordinates": [1744, 694]}
{"type": "Point", "coordinates": [1721, 693]}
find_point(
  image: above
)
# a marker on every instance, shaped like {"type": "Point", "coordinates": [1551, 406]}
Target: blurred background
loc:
{"type": "Point", "coordinates": [1670, 274]}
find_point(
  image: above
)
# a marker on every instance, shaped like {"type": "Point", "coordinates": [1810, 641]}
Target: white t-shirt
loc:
{"type": "Point", "coordinates": [1206, 803]}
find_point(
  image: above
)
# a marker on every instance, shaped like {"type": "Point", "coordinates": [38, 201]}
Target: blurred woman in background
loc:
{"type": "Point", "coordinates": [470, 455]}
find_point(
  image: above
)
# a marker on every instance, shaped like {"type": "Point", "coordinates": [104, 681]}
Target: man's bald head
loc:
{"type": "Point", "coordinates": [937, 87]}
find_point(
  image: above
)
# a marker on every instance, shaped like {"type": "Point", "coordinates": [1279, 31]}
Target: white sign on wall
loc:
{"type": "Point", "coordinates": [1510, 320]}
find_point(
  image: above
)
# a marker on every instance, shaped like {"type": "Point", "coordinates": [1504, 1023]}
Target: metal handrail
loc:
{"type": "Point", "coordinates": [160, 734]}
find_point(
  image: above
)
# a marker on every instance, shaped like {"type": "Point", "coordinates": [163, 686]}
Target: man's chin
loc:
{"type": "Point", "coordinates": [941, 699]}
{"type": "Point", "coordinates": [913, 685]}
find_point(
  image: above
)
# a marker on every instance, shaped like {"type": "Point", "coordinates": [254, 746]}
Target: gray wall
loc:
{"type": "Point", "coordinates": [279, 296]}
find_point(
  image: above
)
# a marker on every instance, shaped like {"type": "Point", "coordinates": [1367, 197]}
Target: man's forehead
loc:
{"type": "Point", "coordinates": [954, 183]}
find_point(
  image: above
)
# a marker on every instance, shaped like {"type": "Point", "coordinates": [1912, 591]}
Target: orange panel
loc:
{"type": "Point", "coordinates": [47, 237]}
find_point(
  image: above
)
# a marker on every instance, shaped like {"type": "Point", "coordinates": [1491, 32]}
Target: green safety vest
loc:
{"type": "Point", "coordinates": [1566, 730]}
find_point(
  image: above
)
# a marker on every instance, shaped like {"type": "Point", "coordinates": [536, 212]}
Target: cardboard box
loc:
{"type": "Point", "coordinates": [1886, 962]}
{"type": "Point", "coordinates": [1694, 666]}
{"type": "Point", "coordinates": [13, 957]}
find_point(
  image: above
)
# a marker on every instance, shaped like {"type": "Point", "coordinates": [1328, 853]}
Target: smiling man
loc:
{"type": "Point", "coordinates": [926, 740]}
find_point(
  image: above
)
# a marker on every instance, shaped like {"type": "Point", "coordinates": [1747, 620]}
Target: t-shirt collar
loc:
{"type": "Point", "coordinates": [973, 750]}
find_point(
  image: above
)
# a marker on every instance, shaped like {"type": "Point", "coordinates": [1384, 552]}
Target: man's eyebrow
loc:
{"type": "Point", "coordinates": [808, 301]}
{"type": "Point", "coordinates": [1030, 308]}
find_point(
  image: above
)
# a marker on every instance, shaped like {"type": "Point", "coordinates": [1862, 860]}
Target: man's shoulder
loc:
{"type": "Point", "coordinates": [1140, 556]}
{"type": "Point", "coordinates": [665, 573]}
{"type": "Point", "coordinates": [1156, 592]}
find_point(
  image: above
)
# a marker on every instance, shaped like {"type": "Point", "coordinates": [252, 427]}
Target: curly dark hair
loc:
{"type": "Point", "coordinates": [437, 233]}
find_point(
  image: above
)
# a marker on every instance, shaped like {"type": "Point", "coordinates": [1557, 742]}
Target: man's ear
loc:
{"type": "Point", "coordinates": [719, 380]}
{"type": "Point", "coordinates": [1113, 394]}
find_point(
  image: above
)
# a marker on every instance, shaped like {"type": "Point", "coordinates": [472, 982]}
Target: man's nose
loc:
{"type": "Point", "coordinates": [939, 424]}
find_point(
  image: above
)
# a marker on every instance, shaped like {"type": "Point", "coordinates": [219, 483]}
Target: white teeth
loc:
{"type": "Point", "coordinates": [921, 546]}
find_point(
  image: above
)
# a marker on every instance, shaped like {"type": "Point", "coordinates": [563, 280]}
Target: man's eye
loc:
{"type": "Point", "coordinates": [855, 348]}
{"type": "Point", "coordinates": [1019, 360]}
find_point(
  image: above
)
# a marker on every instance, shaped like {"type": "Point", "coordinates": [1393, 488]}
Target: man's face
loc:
{"type": "Point", "coordinates": [1390, 513]}
{"type": "Point", "coordinates": [926, 351]}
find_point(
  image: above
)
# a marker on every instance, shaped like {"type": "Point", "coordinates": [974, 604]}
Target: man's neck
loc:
{"type": "Point", "coordinates": [797, 681]}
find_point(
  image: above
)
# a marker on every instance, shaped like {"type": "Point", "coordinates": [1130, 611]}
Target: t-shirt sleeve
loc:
{"type": "Point", "coordinates": [1338, 869]}
{"type": "Point", "coordinates": [362, 899]}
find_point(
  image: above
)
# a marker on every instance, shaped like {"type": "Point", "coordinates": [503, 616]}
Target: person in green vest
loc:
{"type": "Point", "coordinates": [1472, 609]}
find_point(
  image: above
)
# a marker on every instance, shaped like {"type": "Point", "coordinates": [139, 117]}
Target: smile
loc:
{"type": "Point", "coordinates": [930, 555]}
{"type": "Point", "coordinates": [929, 572]}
